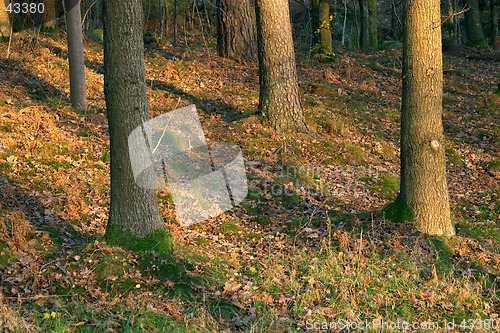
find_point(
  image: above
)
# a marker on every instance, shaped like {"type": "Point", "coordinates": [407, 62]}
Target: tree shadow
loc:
{"type": "Point", "coordinates": [227, 112]}
{"type": "Point", "coordinates": [18, 75]}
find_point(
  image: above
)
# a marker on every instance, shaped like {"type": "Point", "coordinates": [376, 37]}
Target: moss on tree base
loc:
{"type": "Point", "coordinates": [398, 211]}
{"type": "Point", "coordinates": [161, 240]}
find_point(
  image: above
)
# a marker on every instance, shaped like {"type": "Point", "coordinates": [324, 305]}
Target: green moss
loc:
{"type": "Point", "coordinates": [398, 211]}
{"type": "Point", "coordinates": [160, 240]}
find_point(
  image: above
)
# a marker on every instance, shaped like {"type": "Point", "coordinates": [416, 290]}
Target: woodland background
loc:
{"type": "Point", "coordinates": [321, 250]}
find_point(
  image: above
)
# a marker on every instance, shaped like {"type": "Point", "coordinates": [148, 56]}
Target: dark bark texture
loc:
{"type": "Point", "coordinates": [75, 54]}
{"type": "Point", "coordinates": [364, 36]}
{"type": "Point", "coordinates": [279, 100]}
{"type": "Point", "coordinates": [494, 23]}
{"type": "Point", "coordinates": [235, 30]}
{"type": "Point", "coordinates": [423, 168]}
{"type": "Point", "coordinates": [372, 19]}
{"type": "Point", "coordinates": [132, 207]}
{"type": "Point", "coordinates": [473, 28]}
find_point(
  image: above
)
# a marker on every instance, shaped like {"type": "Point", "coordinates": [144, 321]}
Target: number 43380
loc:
{"type": "Point", "coordinates": [25, 8]}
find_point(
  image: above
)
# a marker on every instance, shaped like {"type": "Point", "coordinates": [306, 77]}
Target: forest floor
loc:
{"type": "Point", "coordinates": [310, 242]}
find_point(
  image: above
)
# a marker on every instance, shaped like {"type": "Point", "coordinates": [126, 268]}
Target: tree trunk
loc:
{"type": "Point", "coordinates": [321, 25]}
{"type": "Point", "coordinates": [364, 38]}
{"type": "Point", "coordinates": [5, 22]}
{"type": "Point", "coordinates": [372, 19]}
{"type": "Point", "coordinates": [473, 28]}
{"type": "Point", "coordinates": [423, 164]}
{"type": "Point", "coordinates": [235, 30]}
{"type": "Point", "coordinates": [75, 54]}
{"type": "Point", "coordinates": [279, 100]}
{"type": "Point", "coordinates": [494, 24]}
{"type": "Point", "coordinates": [49, 14]}
{"type": "Point", "coordinates": [132, 207]}
{"type": "Point", "coordinates": [325, 34]}
{"type": "Point", "coordinates": [175, 23]}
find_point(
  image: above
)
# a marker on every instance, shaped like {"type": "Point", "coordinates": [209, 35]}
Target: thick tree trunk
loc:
{"type": "Point", "coordinates": [5, 22]}
{"type": "Point", "coordinates": [132, 207]}
{"type": "Point", "coordinates": [473, 28]}
{"type": "Point", "coordinates": [494, 23]}
{"type": "Point", "coordinates": [423, 169]}
{"type": "Point", "coordinates": [364, 38]}
{"type": "Point", "coordinates": [372, 19]}
{"type": "Point", "coordinates": [235, 30]}
{"type": "Point", "coordinates": [49, 14]}
{"type": "Point", "coordinates": [75, 54]}
{"type": "Point", "coordinates": [279, 99]}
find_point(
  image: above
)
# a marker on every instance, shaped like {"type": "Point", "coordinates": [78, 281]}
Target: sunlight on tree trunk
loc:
{"type": "Point", "coordinates": [49, 14]}
{"type": "Point", "coordinates": [5, 21]}
{"type": "Point", "coordinates": [423, 164]}
{"type": "Point", "coordinates": [279, 99]}
{"type": "Point", "coordinates": [75, 54]}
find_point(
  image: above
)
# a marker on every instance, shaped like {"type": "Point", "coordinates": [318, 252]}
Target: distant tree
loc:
{"type": "Point", "coordinates": [321, 25]}
{"type": "Point", "coordinates": [372, 19]}
{"type": "Point", "coordinates": [5, 22]}
{"type": "Point", "coordinates": [473, 28]}
{"type": "Point", "coordinates": [133, 209]}
{"type": "Point", "coordinates": [49, 14]}
{"type": "Point", "coordinates": [424, 193]}
{"type": "Point", "coordinates": [75, 54]}
{"type": "Point", "coordinates": [279, 99]}
{"type": "Point", "coordinates": [364, 38]}
{"type": "Point", "coordinates": [494, 23]}
{"type": "Point", "coordinates": [235, 30]}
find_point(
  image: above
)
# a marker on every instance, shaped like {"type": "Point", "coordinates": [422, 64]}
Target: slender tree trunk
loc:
{"type": "Point", "coordinates": [132, 207]}
{"type": "Point", "coordinates": [494, 23]}
{"type": "Point", "coordinates": [279, 99]}
{"type": "Point", "coordinates": [5, 21]}
{"type": "Point", "coordinates": [325, 33]}
{"type": "Point", "coordinates": [175, 22]}
{"type": "Point", "coordinates": [321, 25]}
{"type": "Point", "coordinates": [473, 28]}
{"type": "Point", "coordinates": [423, 169]}
{"type": "Point", "coordinates": [235, 30]}
{"type": "Point", "coordinates": [75, 54]}
{"type": "Point", "coordinates": [345, 21]}
{"type": "Point", "coordinates": [456, 25]}
{"type": "Point", "coordinates": [365, 25]}
{"type": "Point", "coordinates": [49, 14]}
{"type": "Point", "coordinates": [372, 19]}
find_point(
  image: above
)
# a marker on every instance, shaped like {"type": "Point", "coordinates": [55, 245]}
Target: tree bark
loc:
{"type": "Point", "coordinates": [132, 207]}
{"type": "Point", "coordinates": [325, 33]}
{"type": "Point", "coordinates": [175, 23]}
{"type": "Point", "coordinates": [322, 33]}
{"type": "Point", "coordinates": [49, 14]}
{"type": "Point", "coordinates": [235, 30]}
{"type": "Point", "coordinates": [423, 169]}
{"type": "Point", "coordinates": [494, 24]}
{"type": "Point", "coordinates": [75, 54]}
{"type": "Point", "coordinates": [5, 21]}
{"type": "Point", "coordinates": [364, 37]}
{"type": "Point", "coordinates": [473, 28]}
{"type": "Point", "coordinates": [279, 100]}
{"type": "Point", "coordinates": [372, 19]}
